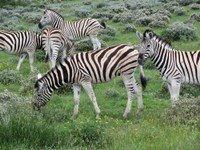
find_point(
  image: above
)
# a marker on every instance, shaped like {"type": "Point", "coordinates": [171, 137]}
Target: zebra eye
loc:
{"type": "Point", "coordinates": [148, 46]}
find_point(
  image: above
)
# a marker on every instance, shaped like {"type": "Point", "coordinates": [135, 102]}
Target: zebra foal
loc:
{"type": "Point", "coordinates": [74, 30]}
{"type": "Point", "coordinates": [56, 45]}
{"type": "Point", "coordinates": [175, 66]}
{"type": "Point", "coordinates": [21, 42]}
{"type": "Point", "coordinates": [83, 69]}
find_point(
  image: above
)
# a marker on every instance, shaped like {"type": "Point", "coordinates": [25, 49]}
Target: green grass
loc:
{"type": "Point", "coordinates": [53, 128]}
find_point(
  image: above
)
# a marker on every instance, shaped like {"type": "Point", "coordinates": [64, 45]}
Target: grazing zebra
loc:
{"type": "Point", "coordinates": [92, 67]}
{"type": "Point", "coordinates": [21, 43]}
{"type": "Point", "coordinates": [175, 66]}
{"type": "Point", "coordinates": [74, 30]}
{"type": "Point", "coordinates": [56, 45]}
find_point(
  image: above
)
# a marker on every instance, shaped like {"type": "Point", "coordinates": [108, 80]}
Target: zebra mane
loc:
{"type": "Point", "coordinates": [158, 38]}
{"type": "Point", "coordinates": [48, 9]}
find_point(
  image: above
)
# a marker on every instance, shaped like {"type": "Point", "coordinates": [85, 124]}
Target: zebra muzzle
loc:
{"type": "Point", "coordinates": [141, 60]}
{"type": "Point", "coordinates": [40, 25]}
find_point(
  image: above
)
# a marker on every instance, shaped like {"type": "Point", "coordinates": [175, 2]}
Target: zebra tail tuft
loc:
{"type": "Point", "coordinates": [142, 77]}
{"type": "Point", "coordinates": [103, 25]}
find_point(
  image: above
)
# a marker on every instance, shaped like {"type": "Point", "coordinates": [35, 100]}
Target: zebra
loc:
{"type": "Point", "coordinates": [20, 42]}
{"type": "Point", "coordinates": [56, 45]}
{"type": "Point", "coordinates": [85, 68]}
{"type": "Point", "coordinates": [175, 66]}
{"type": "Point", "coordinates": [74, 30]}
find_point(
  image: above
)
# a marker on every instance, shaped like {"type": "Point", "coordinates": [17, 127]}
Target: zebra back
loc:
{"type": "Point", "coordinates": [19, 41]}
{"type": "Point", "coordinates": [54, 39]}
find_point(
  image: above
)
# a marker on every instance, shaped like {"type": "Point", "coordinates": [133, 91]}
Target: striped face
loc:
{"type": "Point", "coordinates": [145, 46]}
{"type": "Point", "coordinates": [42, 95]}
{"type": "Point", "coordinates": [45, 20]}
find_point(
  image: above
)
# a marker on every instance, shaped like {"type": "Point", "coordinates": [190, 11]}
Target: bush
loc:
{"type": "Point", "coordinates": [179, 31]}
{"type": "Point", "coordinates": [171, 6]}
{"type": "Point", "coordinates": [125, 17]}
{"type": "Point", "coordinates": [108, 31]}
{"type": "Point", "coordinates": [83, 45]}
{"type": "Point", "coordinates": [184, 111]}
{"type": "Point", "coordinates": [195, 6]}
{"type": "Point", "coordinates": [157, 24]}
{"type": "Point", "coordinates": [195, 16]}
{"type": "Point", "coordinates": [144, 21]}
{"type": "Point", "coordinates": [180, 11]}
{"type": "Point", "coordinates": [10, 76]}
{"type": "Point", "coordinates": [128, 28]}
{"type": "Point", "coordinates": [185, 2]}
{"type": "Point", "coordinates": [89, 134]}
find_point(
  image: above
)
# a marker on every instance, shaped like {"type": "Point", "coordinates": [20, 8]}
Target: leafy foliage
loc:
{"type": "Point", "coordinates": [9, 76]}
{"type": "Point", "coordinates": [179, 31]}
{"type": "Point", "coordinates": [185, 111]}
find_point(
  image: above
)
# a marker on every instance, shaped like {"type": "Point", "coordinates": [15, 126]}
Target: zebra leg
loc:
{"type": "Point", "coordinates": [175, 90]}
{"type": "Point", "coordinates": [95, 42]}
{"type": "Point", "coordinates": [89, 90]}
{"type": "Point", "coordinates": [31, 57]}
{"type": "Point", "coordinates": [21, 59]}
{"type": "Point", "coordinates": [129, 89]}
{"type": "Point", "coordinates": [77, 91]}
{"type": "Point", "coordinates": [138, 92]}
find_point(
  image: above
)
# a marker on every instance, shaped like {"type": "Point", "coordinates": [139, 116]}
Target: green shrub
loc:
{"type": "Point", "coordinates": [157, 24]}
{"type": "Point", "coordinates": [179, 31]}
{"type": "Point", "coordinates": [180, 11]}
{"type": "Point", "coordinates": [171, 6]}
{"type": "Point", "coordinates": [195, 6]}
{"type": "Point", "coordinates": [128, 28]}
{"type": "Point", "coordinates": [108, 31]}
{"type": "Point", "coordinates": [83, 45]}
{"type": "Point", "coordinates": [195, 17]}
{"type": "Point", "coordinates": [144, 21]}
{"type": "Point", "coordinates": [89, 134]}
{"type": "Point", "coordinates": [185, 2]}
{"type": "Point", "coordinates": [184, 111]}
{"type": "Point", "coordinates": [126, 17]}
{"type": "Point", "coordinates": [9, 77]}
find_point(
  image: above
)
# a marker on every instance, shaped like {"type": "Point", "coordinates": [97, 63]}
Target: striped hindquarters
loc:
{"type": "Point", "coordinates": [18, 42]}
{"type": "Point", "coordinates": [78, 29]}
{"type": "Point", "coordinates": [188, 64]}
{"type": "Point", "coordinates": [54, 40]}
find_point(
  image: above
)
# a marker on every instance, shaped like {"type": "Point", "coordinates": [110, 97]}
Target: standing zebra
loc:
{"type": "Point", "coordinates": [175, 66]}
{"type": "Point", "coordinates": [21, 43]}
{"type": "Point", "coordinates": [74, 30]}
{"type": "Point", "coordinates": [92, 67]}
{"type": "Point", "coordinates": [56, 45]}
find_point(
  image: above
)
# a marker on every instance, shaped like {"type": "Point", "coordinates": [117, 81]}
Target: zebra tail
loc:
{"type": "Point", "coordinates": [142, 77]}
{"type": "Point", "coordinates": [103, 25]}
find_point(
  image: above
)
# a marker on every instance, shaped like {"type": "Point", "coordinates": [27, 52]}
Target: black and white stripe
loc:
{"type": "Point", "coordinates": [56, 45]}
{"type": "Point", "coordinates": [92, 67]}
{"type": "Point", "coordinates": [74, 30]}
{"type": "Point", "coordinates": [21, 43]}
{"type": "Point", "coordinates": [175, 66]}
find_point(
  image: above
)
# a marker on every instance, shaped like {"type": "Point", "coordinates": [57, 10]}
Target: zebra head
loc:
{"type": "Point", "coordinates": [42, 95]}
{"type": "Point", "coordinates": [51, 18]}
{"type": "Point", "coordinates": [45, 20]}
{"type": "Point", "coordinates": [145, 46]}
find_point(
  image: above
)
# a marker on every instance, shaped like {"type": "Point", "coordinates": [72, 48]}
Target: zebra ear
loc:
{"type": "Point", "coordinates": [39, 75]}
{"type": "Point", "coordinates": [149, 35]}
{"type": "Point", "coordinates": [139, 35]}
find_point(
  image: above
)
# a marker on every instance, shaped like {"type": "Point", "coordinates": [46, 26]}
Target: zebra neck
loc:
{"type": "Point", "coordinates": [58, 23]}
{"type": "Point", "coordinates": [63, 73]}
{"type": "Point", "coordinates": [162, 57]}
